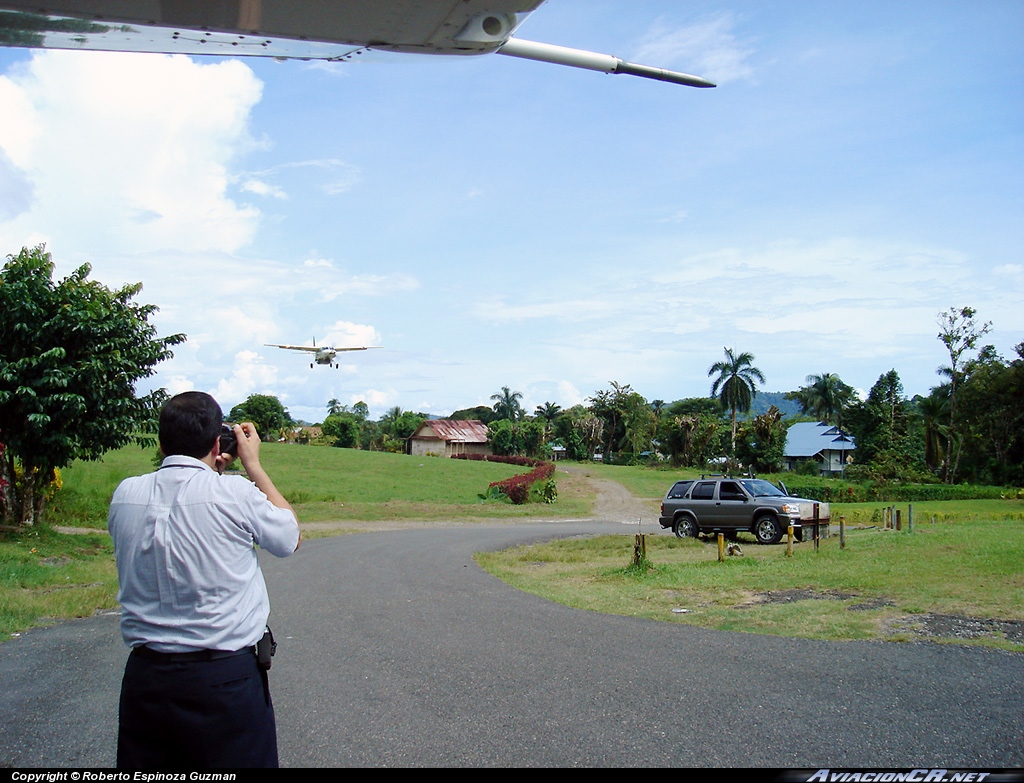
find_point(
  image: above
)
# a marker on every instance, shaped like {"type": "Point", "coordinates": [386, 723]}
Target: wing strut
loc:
{"type": "Point", "coordinates": [592, 61]}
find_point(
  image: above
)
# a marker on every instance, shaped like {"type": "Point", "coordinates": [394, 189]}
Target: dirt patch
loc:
{"type": "Point", "coordinates": [932, 627]}
{"type": "Point", "coordinates": [613, 502]}
{"type": "Point", "coordinates": [787, 596]}
{"type": "Point", "coordinates": [953, 627]}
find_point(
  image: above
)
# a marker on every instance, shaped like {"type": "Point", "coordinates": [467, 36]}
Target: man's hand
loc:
{"type": "Point", "coordinates": [248, 444]}
{"type": "Point", "coordinates": [249, 453]}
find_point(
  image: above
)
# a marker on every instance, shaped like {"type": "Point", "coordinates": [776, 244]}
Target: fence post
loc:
{"type": "Point", "coordinates": [789, 541]}
{"type": "Point", "coordinates": [899, 519]}
{"type": "Point", "coordinates": [910, 517]}
{"type": "Point", "coordinates": [842, 532]}
{"type": "Point", "coordinates": [639, 550]}
{"type": "Point", "coordinates": [721, 547]}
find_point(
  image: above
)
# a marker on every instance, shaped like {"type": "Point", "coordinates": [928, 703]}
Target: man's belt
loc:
{"type": "Point", "coordinates": [188, 657]}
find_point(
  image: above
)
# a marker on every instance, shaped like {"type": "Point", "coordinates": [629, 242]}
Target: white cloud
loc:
{"type": "Point", "coordinates": [261, 188]}
{"type": "Point", "coordinates": [347, 334]}
{"type": "Point", "coordinates": [709, 48]}
{"type": "Point", "coordinates": [250, 375]}
{"type": "Point", "coordinates": [128, 153]}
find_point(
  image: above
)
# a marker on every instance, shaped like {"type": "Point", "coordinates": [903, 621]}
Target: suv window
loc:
{"type": "Point", "coordinates": [730, 490]}
{"type": "Point", "coordinates": [705, 490]}
{"type": "Point", "coordinates": [679, 489]}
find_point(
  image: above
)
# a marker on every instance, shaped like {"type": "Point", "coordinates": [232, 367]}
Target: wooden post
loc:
{"type": "Point", "coordinates": [721, 547]}
{"type": "Point", "coordinates": [789, 541]}
{"type": "Point", "coordinates": [899, 519]}
{"type": "Point", "coordinates": [639, 550]}
{"type": "Point", "coordinates": [910, 517]}
{"type": "Point", "coordinates": [842, 532]}
{"type": "Point", "coordinates": [817, 518]}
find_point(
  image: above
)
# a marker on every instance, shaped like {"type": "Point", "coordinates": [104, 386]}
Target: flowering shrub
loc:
{"type": "Point", "coordinates": [516, 488]}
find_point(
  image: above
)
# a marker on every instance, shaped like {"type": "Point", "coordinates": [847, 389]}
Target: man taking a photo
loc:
{"type": "Point", "coordinates": [194, 602]}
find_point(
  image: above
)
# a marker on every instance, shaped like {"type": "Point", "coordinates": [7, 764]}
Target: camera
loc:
{"type": "Point", "coordinates": [228, 442]}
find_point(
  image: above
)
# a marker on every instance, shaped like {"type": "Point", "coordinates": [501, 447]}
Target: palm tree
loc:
{"type": "Point", "coordinates": [506, 404]}
{"type": "Point", "coordinates": [548, 411]}
{"type": "Point", "coordinates": [934, 413]}
{"type": "Point", "coordinates": [825, 397]}
{"type": "Point", "coordinates": [734, 385]}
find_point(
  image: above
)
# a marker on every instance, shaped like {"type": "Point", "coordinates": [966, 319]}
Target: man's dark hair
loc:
{"type": "Point", "coordinates": [189, 424]}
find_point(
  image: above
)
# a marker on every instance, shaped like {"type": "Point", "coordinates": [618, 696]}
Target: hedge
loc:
{"type": "Point", "coordinates": [516, 488]}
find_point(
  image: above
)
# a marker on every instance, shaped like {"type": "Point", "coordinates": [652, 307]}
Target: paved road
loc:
{"type": "Point", "coordinates": [397, 650]}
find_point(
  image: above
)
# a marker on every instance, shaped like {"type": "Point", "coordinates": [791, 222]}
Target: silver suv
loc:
{"type": "Point", "coordinates": [731, 505]}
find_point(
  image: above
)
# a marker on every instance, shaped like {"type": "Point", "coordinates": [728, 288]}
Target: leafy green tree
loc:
{"type": "Point", "coordinates": [482, 413]}
{"type": "Point", "coordinates": [396, 426]}
{"type": "Point", "coordinates": [507, 405]}
{"type": "Point", "coordinates": [71, 353]}
{"type": "Point", "coordinates": [990, 443]}
{"type": "Point", "coordinates": [629, 422]}
{"type": "Point", "coordinates": [344, 428]}
{"type": "Point", "coordinates": [762, 440]}
{"type": "Point", "coordinates": [691, 439]}
{"type": "Point", "coordinates": [525, 438]}
{"type": "Point", "coordinates": [580, 432]}
{"type": "Point", "coordinates": [734, 385]}
{"type": "Point", "coordinates": [266, 412]}
{"type": "Point", "coordinates": [882, 427]}
{"type": "Point", "coordinates": [960, 334]}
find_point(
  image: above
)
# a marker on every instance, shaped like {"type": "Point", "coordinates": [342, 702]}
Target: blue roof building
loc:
{"type": "Point", "coordinates": [827, 445]}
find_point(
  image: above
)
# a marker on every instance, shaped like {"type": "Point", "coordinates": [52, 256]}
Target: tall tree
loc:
{"type": "Point", "coordinates": [507, 405]}
{"type": "Point", "coordinates": [934, 413]}
{"type": "Point", "coordinates": [960, 334]}
{"type": "Point", "coordinates": [71, 353]}
{"type": "Point", "coordinates": [734, 385]}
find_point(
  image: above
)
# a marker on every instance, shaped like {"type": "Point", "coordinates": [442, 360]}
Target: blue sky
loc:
{"type": "Point", "coordinates": [496, 222]}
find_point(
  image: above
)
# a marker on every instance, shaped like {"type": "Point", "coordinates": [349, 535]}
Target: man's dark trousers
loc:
{"type": "Point", "coordinates": [180, 713]}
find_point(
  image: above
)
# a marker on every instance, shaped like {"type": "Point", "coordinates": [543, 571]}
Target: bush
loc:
{"type": "Point", "coordinates": [517, 488]}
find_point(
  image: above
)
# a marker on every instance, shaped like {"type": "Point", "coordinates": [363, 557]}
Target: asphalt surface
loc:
{"type": "Point", "coordinates": [396, 649]}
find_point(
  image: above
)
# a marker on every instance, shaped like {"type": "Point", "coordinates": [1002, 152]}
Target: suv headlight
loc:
{"type": "Point", "coordinates": [792, 509]}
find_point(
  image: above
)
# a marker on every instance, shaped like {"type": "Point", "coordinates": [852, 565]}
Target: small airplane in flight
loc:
{"type": "Point", "coordinates": [324, 353]}
{"type": "Point", "coordinates": [334, 30]}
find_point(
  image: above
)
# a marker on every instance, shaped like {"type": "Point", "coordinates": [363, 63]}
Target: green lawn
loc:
{"type": "Point", "coordinates": [328, 484]}
{"type": "Point", "coordinates": [883, 585]}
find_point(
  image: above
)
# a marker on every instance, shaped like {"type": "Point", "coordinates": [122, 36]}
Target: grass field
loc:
{"type": "Point", "coordinates": [328, 484]}
{"type": "Point", "coordinates": [952, 581]}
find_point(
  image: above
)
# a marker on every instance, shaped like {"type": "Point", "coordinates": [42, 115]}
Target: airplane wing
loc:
{"type": "Point", "coordinates": [311, 349]}
{"type": "Point", "coordinates": [304, 29]}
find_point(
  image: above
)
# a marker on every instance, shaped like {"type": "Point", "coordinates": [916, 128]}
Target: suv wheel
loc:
{"type": "Point", "coordinates": [767, 529]}
{"type": "Point", "coordinates": [685, 527]}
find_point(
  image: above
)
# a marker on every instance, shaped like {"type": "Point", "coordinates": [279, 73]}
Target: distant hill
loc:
{"type": "Point", "coordinates": [765, 400]}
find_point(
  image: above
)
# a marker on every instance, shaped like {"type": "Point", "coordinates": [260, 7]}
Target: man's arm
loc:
{"type": "Point", "coordinates": [249, 454]}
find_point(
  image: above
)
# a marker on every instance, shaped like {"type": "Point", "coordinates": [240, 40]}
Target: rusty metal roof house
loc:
{"type": "Point", "coordinates": [447, 437]}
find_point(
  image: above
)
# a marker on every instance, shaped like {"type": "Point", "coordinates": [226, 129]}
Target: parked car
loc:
{"type": "Point", "coordinates": [730, 505]}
